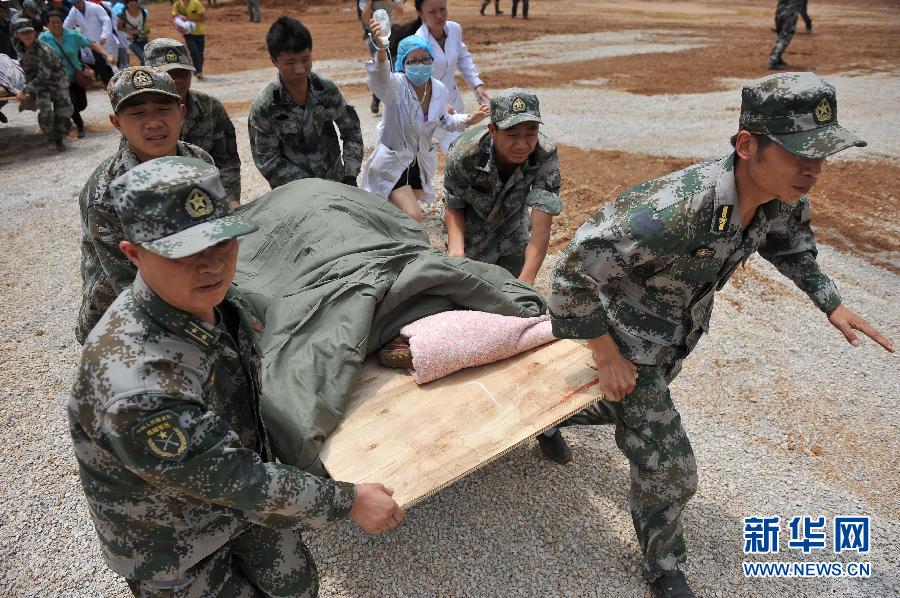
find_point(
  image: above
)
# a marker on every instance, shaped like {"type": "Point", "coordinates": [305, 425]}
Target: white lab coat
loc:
{"type": "Point", "coordinates": [454, 55]}
{"type": "Point", "coordinates": [403, 133]}
{"type": "Point", "coordinates": [94, 23]}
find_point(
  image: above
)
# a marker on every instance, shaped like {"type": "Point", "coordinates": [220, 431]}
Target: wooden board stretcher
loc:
{"type": "Point", "coordinates": [420, 439]}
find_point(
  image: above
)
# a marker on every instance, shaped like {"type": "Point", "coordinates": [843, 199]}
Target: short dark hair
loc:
{"type": "Point", "coordinates": [54, 13]}
{"type": "Point", "coordinates": [287, 34]}
{"type": "Point", "coordinates": [143, 98]}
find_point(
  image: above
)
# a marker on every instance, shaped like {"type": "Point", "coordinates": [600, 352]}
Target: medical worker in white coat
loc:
{"type": "Point", "coordinates": [404, 160]}
{"type": "Point", "coordinates": [93, 22]}
{"type": "Point", "coordinates": [450, 55]}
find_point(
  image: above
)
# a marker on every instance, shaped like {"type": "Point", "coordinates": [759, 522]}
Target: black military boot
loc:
{"type": "Point", "coordinates": [672, 584]}
{"type": "Point", "coordinates": [555, 447]}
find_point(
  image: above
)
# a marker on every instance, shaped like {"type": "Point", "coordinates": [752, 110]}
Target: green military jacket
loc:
{"type": "Point", "coordinates": [290, 142]}
{"type": "Point", "coordinates": [172, 453]}
{"type": "Point", "coordinates": [42, 67]}
{"type": "Point", "coordinates": [645, 268]}
{"type": "Point", "coordinates": [496, 213]}
{"type": "Point", "coordinates": [105, 270]}
{"type": "Point", "coordinates": [207, 125]}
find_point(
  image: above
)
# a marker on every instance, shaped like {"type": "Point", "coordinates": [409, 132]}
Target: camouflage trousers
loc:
{"type": "Point", "coordinates": [663, 470]}
{"type": "Point", "coordinates": [54, 113]}
{"type": "Point", "coordinates": [260, 562]}
{"type": "Point", "coordinates": [786, 24]}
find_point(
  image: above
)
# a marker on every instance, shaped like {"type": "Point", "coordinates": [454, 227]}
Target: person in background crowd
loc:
{"type": "Point", "coordinates": [786, 13]}
{"type": "Point", "coordinates": [12, 80]}
{"type": "Point", "coordinates": [133, 23]}
{"type": "Point", "coordinates": [450, 54]}
{"type": "Point", "coordinates": [515, 6]}
{"type": "Point", "coordinates": [68, 43]}
{"type": "Point", "coordinates": [253, 11]}
{"type": "Point", "coordinates": [805, 16]}
{"type": "Point", "coordinates": [30, 10]}
{"type": "Point", "coordinates": [6, 34]}
{"type": "Point", "coordinates": [195, 41]}
{"type": "Point", "coordinates": [393, 8]}
{"type": "Point", "coordinates": [485, 3]}
{"type": "Point", "coordinates": [293, 118]}
{"type": "Point", "coordinates": [403, 163]}
{"type": "Point", "coordinates": [46, 82]}
{"type": "Point", "coordinates": [93, 21]}
{"type": "Point", "coordinates": [206, 123]}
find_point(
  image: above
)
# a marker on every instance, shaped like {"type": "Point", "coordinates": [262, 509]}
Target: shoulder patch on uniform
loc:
{"type": "Point", "coordinates": [163, 436]}
{"type": "Point", "coordinates": [196, 332]}
{"type": "Point", "coordinates": [722, 217]}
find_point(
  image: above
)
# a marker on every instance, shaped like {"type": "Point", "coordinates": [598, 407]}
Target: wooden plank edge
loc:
{"type": "Point", "coordinates": [413, 502]}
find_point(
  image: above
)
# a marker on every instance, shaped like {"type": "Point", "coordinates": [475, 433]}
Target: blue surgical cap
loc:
{"type": "Point", "coordinates": [407, 45]}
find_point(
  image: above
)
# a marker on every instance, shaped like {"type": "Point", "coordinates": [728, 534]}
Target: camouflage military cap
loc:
{"type": "Point", "coordinates": [513, 106]}
{"type": "Point", "coordinates": [175, 207]}
{"type": "Point", "coordinates": [798, 111]}
{"type": "Point", "coordinates": [31, 5]}
{"type": "Point", "coordinates": [22, 24]}
{"type": "Point", "coordinates": [167, 54]}
{"type": "Point", "coordinates": [136, 80]}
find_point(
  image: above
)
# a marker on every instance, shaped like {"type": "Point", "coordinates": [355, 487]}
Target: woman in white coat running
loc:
{"type": "Point", "coordinates": [450, 55]}
{"type": "Point", "coordinates": [403, 162]}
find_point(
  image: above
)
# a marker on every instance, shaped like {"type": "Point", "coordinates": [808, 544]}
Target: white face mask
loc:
{"type": "Point", "coordinates": [418, 74]}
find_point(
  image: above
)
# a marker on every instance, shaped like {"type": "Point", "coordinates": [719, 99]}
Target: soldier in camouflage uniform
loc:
{"type": "Point", "coordinates": [46, 81]}
{"type": "Point", "coordinates": [494, 176]}
{"type": "Point", "coordinates": [164, 413]}
{"type": "Point", "coordinates": [292, 120]}
{"type": "Point", "coordinates": [786, 14]}
{"type": "Point", "coordinates": [638, 280]}
{"type": "Point", "coordinates": [147, 110]}
{"type": "Point", "coordinates": [206, 123]}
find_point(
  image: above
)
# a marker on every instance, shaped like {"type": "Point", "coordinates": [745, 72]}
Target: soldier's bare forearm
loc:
{"type": "Point", "coordinates": [456, 226]}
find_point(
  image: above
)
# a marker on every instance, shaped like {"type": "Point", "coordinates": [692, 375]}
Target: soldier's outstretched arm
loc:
{"type": "Point", "coordinates": [791, 248]}
{"type": "Point", "coordinates": [846, 320]}
{"type": "Point", "coordinates": [174, 442]}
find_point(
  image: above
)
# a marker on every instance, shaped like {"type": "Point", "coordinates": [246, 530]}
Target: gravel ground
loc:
{"type": "Point", "coordinates": [785, 417]}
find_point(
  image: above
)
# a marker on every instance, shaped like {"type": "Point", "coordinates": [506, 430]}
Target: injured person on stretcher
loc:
{"type": "Point", "coordinates": [335, 274]}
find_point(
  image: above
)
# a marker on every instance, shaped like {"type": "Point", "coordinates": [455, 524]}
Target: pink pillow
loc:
{"type": "Point", "coordinates": [452, 340]}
